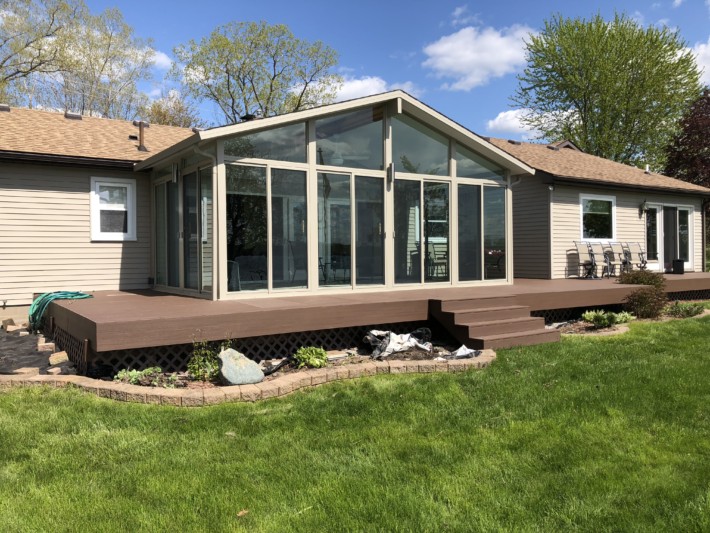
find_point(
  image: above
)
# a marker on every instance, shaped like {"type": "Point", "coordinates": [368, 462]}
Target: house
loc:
{"type": "Point", "coordinates": [373, 211]}
{"type": "Point", "coordinates": [67, 182]}
{"type": "Point", "coordinates": [575, 196]}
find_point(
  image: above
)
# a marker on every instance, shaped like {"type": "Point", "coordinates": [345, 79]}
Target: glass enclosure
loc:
{"type": "Point", "coordinates": [310, 206]}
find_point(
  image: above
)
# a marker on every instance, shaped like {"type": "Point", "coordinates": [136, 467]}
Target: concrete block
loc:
{"type": "Point", "coordinates": [269, 389]}
{"type": "Point", "coordinates": [46, 347]}
{"type": "Point", "coordinates": [7, 322]}
{"type": "Point", "coordinates": [136, 394]}
{"type": "Point", "coordinates": [250, 393]}
{"type": "Point", "coordinates": [427, 366]}
{"type": "Point", "coordinates": [15, 330]}
{"type": "Point", "coordinates": [192, 397]}
{"type": "Point", "coordinates": [216, 396]}
{"type": "Point", "coordinates": [382, 367]}
{"type": "Point", "coordinates": [318, 376]}
{"type": "Point", "coordinates": [58, 358]}
{"type": "Point", "coordinates": [170, 397]}
{"type": "Point", "coordinates": [398, 367]}
{"type": "Point", "coordinates": [26, 371]}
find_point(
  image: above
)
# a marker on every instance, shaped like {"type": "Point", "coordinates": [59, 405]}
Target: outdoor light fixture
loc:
{"type": "Point", "coordinates": [390, 174]}
{"type": "Point", "coordinates": [643, 207]}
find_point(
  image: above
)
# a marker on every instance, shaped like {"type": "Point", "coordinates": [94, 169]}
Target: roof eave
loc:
{"type": "Point", "coordinates": [33, 157]}
{"type": "Point", "coordinates": [606, 184]}
{"type": "Point", "coordinates": [153, 160]}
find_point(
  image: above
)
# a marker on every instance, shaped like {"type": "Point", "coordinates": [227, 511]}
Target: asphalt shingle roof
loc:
{"type": "Point", "coordinates": [30, 131]}
{"type": "Point", "coordinates": [579, 166]}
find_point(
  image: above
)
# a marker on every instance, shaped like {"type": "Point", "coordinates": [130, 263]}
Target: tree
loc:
{"type": "Point", "coordinates": [688, 153]}
{"type": "Point", "coordinates": [614, 89]}
{"type": "Point", "coordinates": [101, 65]}
{"type": "Point", "coordinates": [172, 109]}
{"type": "Point", "coordinates": [247, 68]}
{"type": "Point", "coordinates": [31, 37]}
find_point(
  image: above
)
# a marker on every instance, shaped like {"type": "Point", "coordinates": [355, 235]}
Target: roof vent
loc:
{"type": "Point", "coordinates": [141, 134]}
{"type": "Point", "coordinates": [516, 143]}
{"type": "Point", "coordinates": [647, 171]}
{"type": "Point", "coordinates": [72, 115]}
{"type": "Point", "coordinates": [197, 130]}
{"type": "Point", "coordinates": [487, 139]}
{"type": "Point", "coordinates": [4, 107]}
{"type": "Point", "coordinates": [551, 147]}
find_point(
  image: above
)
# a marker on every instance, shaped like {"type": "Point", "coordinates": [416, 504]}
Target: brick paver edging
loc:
{"type": "Point", "coordinates": [280, 386]}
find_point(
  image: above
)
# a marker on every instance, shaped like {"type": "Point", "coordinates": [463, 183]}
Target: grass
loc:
{"type": "Point", "coordinates": [594, 434]}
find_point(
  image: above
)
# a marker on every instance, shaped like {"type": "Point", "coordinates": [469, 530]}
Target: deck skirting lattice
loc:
{"type": "Point", "coordinates": [174, 358]}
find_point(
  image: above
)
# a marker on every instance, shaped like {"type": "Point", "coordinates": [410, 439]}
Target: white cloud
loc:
{"type": "Point", "coordinates": [367, 85]}
{"type": "Point", "coordinates": [473, 56]}
{"type": "Point", "coordinates": [162, 60]}
{"type": "Point", "coordinates": [702, 57]}
{"type": "Point", "coordinates": [677, 3]}
{"type": "Point", "coordinates": [462, 17]}
{"type": "Point", "coordinates": [509, 122]}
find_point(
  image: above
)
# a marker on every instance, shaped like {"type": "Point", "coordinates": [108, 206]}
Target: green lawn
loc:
{"type": "Point", "coordinates": [594, 434]}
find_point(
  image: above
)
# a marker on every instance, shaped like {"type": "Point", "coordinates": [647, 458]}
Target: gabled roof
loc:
{"type": "Point", "coordinates": [31, 134]}
{"type": "Point", "coordinates": [570, 164]}
{"type": "Point", "coordinates": [403, 102]}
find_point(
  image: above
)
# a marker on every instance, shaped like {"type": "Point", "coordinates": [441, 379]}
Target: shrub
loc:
{"type": "Point", "coordinates": [311, 357]}
{"type": "Point", "coordinates": [604, 319]}
{"type": "Point", "coordinates": [647, 302]}
{"type": "Point", "coordinates": [204, 363]}
{"type": "Point", "coordinates": [683, 309]}
{"type": "Point", "coordinates": [642, 277]}
{"type": "Point", "coordinates": [149, 376]}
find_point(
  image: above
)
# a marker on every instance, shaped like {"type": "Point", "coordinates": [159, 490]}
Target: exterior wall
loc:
{"type": "Point", "coordinates": [531, 229]}
{"type": "Point", "coordinates": [45, 234]}
{"type": "Point", "coordinates": [566, 222]}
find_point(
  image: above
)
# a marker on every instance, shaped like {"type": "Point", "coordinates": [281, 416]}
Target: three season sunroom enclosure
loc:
{"type": "Point", "coordinates": [377, 193]}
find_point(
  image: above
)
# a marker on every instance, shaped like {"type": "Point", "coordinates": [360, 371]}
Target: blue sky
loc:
{"type": "Point", "coordinates": [460, 58]}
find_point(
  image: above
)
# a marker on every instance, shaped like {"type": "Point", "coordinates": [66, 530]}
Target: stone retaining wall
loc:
{"type": "Point", "coordinates": [280, 386]}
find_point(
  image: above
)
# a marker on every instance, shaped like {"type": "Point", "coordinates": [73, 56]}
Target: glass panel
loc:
{"type": "Point", "coordinates": [369, 225]}
{"type": "Point", "coordinates": [407, 227]}
{"type": "Point", "coordinates": [351, 139]}
{"type": "Point", "coordinates": [113, 195]}
{"type": "Point", "coordinates": [418, 149]}
{"type": "Point", "coordinates": [289, 230]}
{"type": "Point", "coordinates": [113, 221]}
{"type": "Point", "coordinates": [596, 219]}
{"type": "Point", "coordinates": [161, 243]}
{"type": "Point", "coordinates": [189, 230]}
{"type": "Point", "coordinates": [206, 225]}
{"type": "Point", "coordinates": [246, 228]}
{"type": "Point", "coordinates": [670, 236]}
{"type": "Point", "coordinates": [334, 230]}
{"type": "Point", "coordinates": [173, 236]}
{"type": "Point", "coordinates": [471, 165]}
{"type": "Point", "coordinates": [287, 143]}
{"type": "Point", "coordinates": [652, 234]}
{"type": "Point", "coordinates": [494, 232]}
{"type": "Point", "coordinates": [469, 233]}
{"type": "Point", "coordinates": [436, 231]}
{"type": "Point", "coordinates": [683, 235]}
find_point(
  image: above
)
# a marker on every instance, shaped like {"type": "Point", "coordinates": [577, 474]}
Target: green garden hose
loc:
{"type": "Point", "coordinates": [39, 306]}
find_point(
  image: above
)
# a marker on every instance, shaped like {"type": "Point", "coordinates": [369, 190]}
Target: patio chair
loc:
{"type": "Point", "coordinates": [299, 257]}
{"type": "Point", "coordinates": [635, 255]}
{"type": "Point", "coordinates": [614, 261]}
{"type": "Point", "coordinates": [617, 249]}
{"type": "Point", "coordinates": [585, 259]}
{"type": "Point", "coordinates": [599, 257]}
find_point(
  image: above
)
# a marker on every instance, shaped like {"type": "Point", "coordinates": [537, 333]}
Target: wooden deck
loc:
{"type": "Point", "coordinates": [120, 320]}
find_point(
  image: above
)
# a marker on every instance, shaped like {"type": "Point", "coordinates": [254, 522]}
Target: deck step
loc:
{"type": "Point", "coordinates": [522, 338]}
{"type": "Point", "coordinates": [489, 314]}
{"type": "Point", "coordinates": [498, 327]}
{"type": "Point", "coordinates": [449, 306]}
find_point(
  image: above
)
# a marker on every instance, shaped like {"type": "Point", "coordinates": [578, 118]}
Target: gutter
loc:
{"type": "Point", "coordinates": [554, 179]}
{"type": "Point", "coordinates": [47, 159]}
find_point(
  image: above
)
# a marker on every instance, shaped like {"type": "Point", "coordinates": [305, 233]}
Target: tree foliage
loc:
{"type": "Point", "coordinates": [172, 109]}
{"type": "Point", "coordinates": [615, 89]}
{"type": "Point", "coordinates": [32, 36]}
{"type": "Point", "coordinates": [251, 67]}
{"type": "Point", "coordinates": [689, 151]}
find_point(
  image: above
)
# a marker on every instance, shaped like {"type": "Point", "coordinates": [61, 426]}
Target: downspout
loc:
{"type": "Point", "coordinates": [215, 227]}
{"type": "Point", "coordinates": [704, 218]}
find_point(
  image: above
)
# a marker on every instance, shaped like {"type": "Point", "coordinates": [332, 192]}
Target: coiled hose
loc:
{"type": "Point", "coordinates": [39, 306]}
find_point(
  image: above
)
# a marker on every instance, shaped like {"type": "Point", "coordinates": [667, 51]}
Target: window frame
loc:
{"type": "Point", "coordinates": [95, 207]}
{"type": "Point", "coordinates": [605, 198]}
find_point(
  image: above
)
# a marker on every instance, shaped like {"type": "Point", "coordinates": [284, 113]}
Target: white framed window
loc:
{"type": "Point", "coordinates": [113, 209]}
{"type": "Point", "coordinates": [598, 217]}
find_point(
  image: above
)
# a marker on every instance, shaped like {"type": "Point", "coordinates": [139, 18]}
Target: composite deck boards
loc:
{"type": "Point", "coordinates": [118, 320]}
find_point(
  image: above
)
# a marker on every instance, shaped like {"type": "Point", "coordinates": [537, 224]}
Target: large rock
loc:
{"type": "Point", "coordinates": [238, 369]}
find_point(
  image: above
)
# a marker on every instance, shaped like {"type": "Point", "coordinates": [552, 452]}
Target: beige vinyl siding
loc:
{"type": "Point", "coordinates": [566, 222]}
{"type": "Point", "coordinates": [45, 234]}
{"type": "Point", "coordinates": [531, 229]}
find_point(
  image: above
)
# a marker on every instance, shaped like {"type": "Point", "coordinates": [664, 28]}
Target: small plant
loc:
{"type": "Point", "coordinates": [204, 363]}
{"type": "Point", "coordinates": [605, 319]}
{"type": "Point", "coordinates": [647, 302]}
{"type": "Point", "coordinates": [683, 309]}
{"type": "Point", "coordinates": [139, 377]}
{"type": "Point", "coordinates": [311, 357]}
{"type": "Point", "coordinates": [642, 277]}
